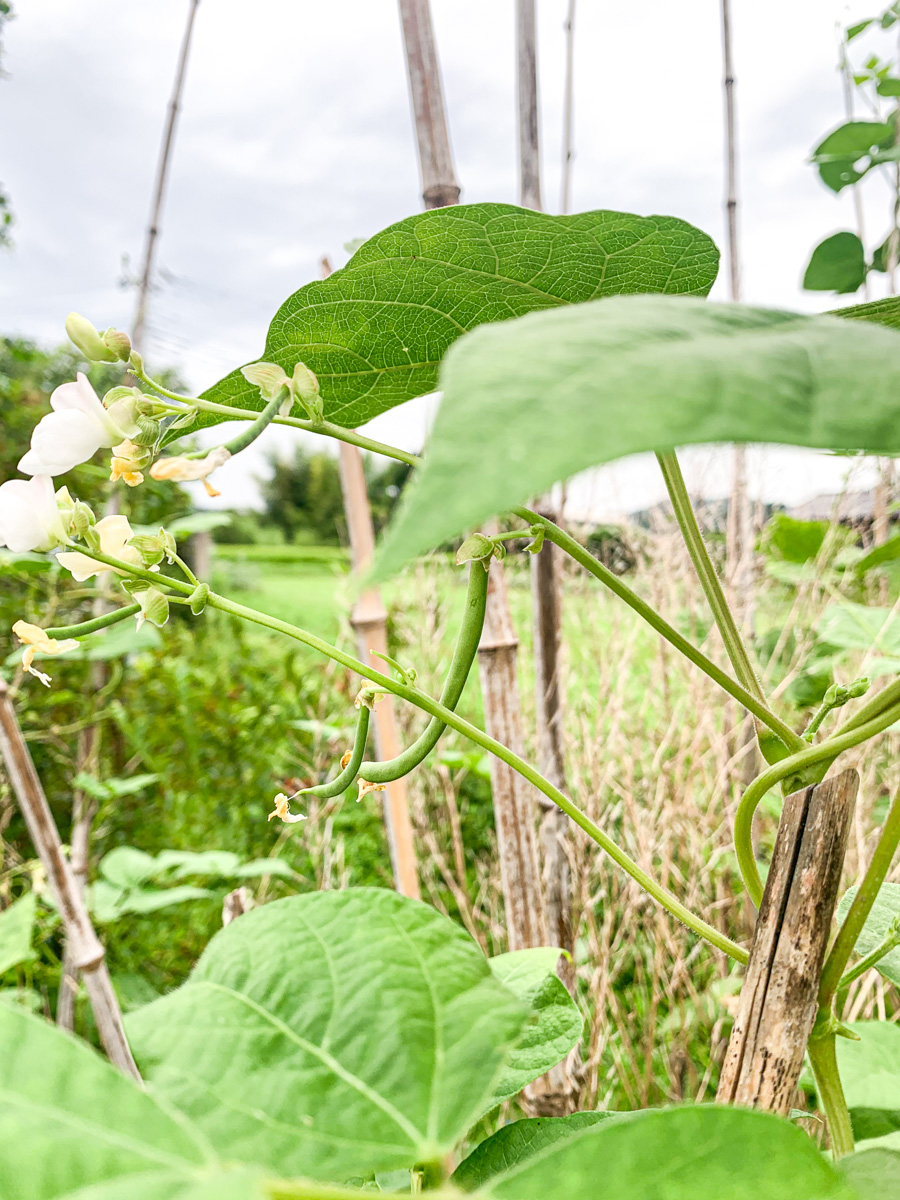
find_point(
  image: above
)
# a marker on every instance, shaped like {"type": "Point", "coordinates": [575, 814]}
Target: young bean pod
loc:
{"type": "Point", "coordinates": [461, 664]}
{"type": "Point", "coordinates": [343, 780]}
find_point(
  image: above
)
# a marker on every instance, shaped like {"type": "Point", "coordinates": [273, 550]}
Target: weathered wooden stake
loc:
{"type": "Point", "coordinates": [526, 924]}
{"type": "Point", "coordinates": [497, 652]}
{"type": "Point", "coordinates": [778, 1001]}
{"type": "Point", "coordinates": [88, 955]}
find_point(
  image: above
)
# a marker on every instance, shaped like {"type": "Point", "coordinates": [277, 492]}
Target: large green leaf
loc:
{"type": "Point", "coordinates": [691, 1153]}
{"type": "Point", "coordinates": [69, 1120]}
{"type": "Point", "coordinates": [870, 1073]}
{"type": "Point", "coordinates": [874, 1174]}
{"type": "Point", "coordinates": [16, 926]}
{"type": "Point", "coordinates": [376, 331]}
{"type": "Point", "coordinates": [556, 1024]}
{"type": "Point", "coordinates": [881, 312]}
{"type": "Point", "coordinates": [515, 1142]}
{"type": "Point", "coordinates": [532, 401]}
{"type": "Point", "coordinates": [333, 1034]}
{"type": "Point", "coordinates": [850, 626]}
{"type": "Point", "coordinates": [885, 911]}
{"type": "Point", "coordinates": [838, 264]}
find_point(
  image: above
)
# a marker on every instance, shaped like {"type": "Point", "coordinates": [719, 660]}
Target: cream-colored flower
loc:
{"type": "Point", "coordinates": [114, 533]}
{"type": "Point", "coordinates": [35, 639]}
{"type": "Point", "coordinates": [282, 810]}
{"type": "Point", "coordinates": [183, 470]}
{"type": "Point", "coordinates": [126, 461]}
{"type": "Point", "coordinates": [76, 429]}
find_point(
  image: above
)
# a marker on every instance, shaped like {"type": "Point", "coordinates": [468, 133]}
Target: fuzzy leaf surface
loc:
{"type": "Point", "coordinates": [530, 402]}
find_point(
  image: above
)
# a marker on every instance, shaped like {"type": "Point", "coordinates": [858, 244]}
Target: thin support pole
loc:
{"type": "Point", "coordinates": [88, 955]}
{"type": "Point", "coordinates": [159, 187]}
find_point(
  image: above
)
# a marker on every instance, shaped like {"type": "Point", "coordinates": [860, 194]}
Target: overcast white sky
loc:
{"type": "Point", "coordinates": [296, 137]}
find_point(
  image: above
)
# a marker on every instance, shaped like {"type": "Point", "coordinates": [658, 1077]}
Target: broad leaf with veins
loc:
{"type": "Point", "coordinates": [375, 331]}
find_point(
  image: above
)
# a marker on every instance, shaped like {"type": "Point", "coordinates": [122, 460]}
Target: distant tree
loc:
{"type": "Point", "coordinates": [385, 483]}
{"type": "Point", "coordinates": [303, 494]}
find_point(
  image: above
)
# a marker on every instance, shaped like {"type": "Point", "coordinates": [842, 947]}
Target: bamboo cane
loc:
{"type": "Point", "coordinates": [497, 654]}
{"type": "Point", "coordinates": [88, 955]}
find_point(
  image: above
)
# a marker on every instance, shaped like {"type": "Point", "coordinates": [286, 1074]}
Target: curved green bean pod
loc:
{"type": "Point", "coordinates": [342, 781]}
{"type": "Point", "coordinates": [824, 751]}
{"type": "Point", "coordinates": [460, 665]}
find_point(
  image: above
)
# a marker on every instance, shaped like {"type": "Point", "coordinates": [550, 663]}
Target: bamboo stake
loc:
{"type": "Point", "coordinates": [159, 188]}
{"type": "Point", "coordinates": [88, 955]}
{"type": "Point", "coordinates": [546, 590]}
{"type": "Point", "coordinates": [739, 538]}
{"type": "Point", "coordinates": [497, 653]}
{"type": "Point", "coordinates": [439, 186]}
{"type": "Point", "coordinates": [568, 109]}
{"type": "Point", "coordinates": [779, 998]}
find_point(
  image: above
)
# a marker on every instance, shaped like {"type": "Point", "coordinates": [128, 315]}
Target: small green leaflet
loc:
{"type": "Point", "coordinates": [557, 1024]}
{"type": "Point", "coordinates": [529, 402]}
{"type": "Point", "coordinates": [376, 331]}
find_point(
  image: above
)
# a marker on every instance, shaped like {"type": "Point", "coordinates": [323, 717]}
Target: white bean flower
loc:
{"type": "Point", "coordinates": [77, 428]}
{"type": "Point", "coordinates": [114, 533]}
{"type": "Point", "coordinates": [29, 516]}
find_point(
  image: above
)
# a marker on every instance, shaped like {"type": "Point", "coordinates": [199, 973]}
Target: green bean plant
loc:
{"type": "Point", "coordinates": [861, 149]}
{"type": "Point", "coordinates": [337, 1042]}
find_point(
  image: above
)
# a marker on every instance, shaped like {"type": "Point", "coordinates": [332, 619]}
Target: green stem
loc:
{"type": "Point", "coordinates": [86, 627]}
{"type": "Point", "coordinates": [553, 533]}
{"type": "Point", "coordinates": [858, 913]}
{"type": "Point", "coordinates": [810, 756]}
{"type": "Point", "coordinates": [706, 572]}
{"type": "Point", "coordinates": [187, 570]}
{"type": "Point", "coordinates": [328, 428]}
{"type": "Point", "coordinates": [891, 942]}
{"type": "Point", "coordinates": [434, 709]}
{"type": "Point", "coordinates": [823, 1059]}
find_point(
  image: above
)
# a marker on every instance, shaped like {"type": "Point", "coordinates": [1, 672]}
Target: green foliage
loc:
{"type": "Point", "coordinates": [383, 1014]}
{"type": "Point", "coordinates": [885, 912]}
{"type": "Point", "coordinates": [532, 401]}
{"type": "Point", "coordinates": [881, 312]}
{"type": "Point", "coordinates": [70, 1120]}
{"type": "Point", "coordinates": [375, 332]}
{"type": "Point", "coordinates": [792, 540]}
{"type": "Point", "coordinates": [531, 976]}
{"type": "Point", "coordinates": [838, 264]}
{"type": "Point", "coordinates": [851, 150]}
{"type": "Point", "coordinates": [870, 1073]}
{"type": "Point", "coordinates": [512, 1144]}
{"type": "Point", "coordinates": [873, 1174]}
{"type": "Point", "coordinates": [16, 925]}
{"type": "Point", "coordinates": [673, 1154]}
